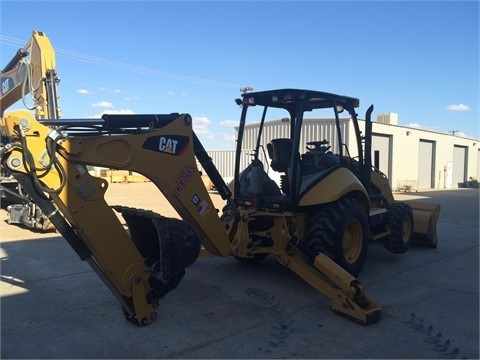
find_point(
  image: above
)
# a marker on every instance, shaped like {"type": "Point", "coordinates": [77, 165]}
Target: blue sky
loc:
{"type": "Point", "coordinates": [417, 59]}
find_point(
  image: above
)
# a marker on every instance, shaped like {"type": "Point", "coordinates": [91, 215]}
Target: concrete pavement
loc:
{"type": "Point", "coordinates": [54, 306]}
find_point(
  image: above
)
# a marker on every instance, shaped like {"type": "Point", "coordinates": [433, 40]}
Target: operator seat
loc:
{"type": "Point", "coordinates": [280, 152]}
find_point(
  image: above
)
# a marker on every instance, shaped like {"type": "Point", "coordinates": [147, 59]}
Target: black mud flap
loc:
{"type": "Point", "coordinates": [168, 246]}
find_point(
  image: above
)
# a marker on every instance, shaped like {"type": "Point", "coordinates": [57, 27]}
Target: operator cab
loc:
{"type": "Point", "coordinates": [282, 165]}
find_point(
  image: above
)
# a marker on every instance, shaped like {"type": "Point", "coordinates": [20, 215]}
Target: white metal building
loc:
{"type": "Point", "coordinates": [413, 159]}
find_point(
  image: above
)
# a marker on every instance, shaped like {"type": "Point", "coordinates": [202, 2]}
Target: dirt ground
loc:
{"type": "Point", "coordinates": [144, 195]}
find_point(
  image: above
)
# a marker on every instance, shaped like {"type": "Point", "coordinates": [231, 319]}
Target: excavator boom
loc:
{"type": "Point", "coordinates": [32, 70]}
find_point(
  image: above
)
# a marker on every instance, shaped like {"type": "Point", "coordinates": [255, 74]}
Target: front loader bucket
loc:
{"type": "Point", "coordinates": [425, 217]}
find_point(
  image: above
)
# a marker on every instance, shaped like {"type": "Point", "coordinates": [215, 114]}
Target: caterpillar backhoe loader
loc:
{"type": "Point", "coordinates": [32, 70]}
{"type": "Point", "coordinates": [318, 221]}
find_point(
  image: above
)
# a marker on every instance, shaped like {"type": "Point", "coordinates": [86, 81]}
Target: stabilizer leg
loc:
{"type": "Point", "coordinates": [344, 291]}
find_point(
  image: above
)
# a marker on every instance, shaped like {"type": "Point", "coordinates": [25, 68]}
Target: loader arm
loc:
{"type": "Point", "coordinates": [425, 214]}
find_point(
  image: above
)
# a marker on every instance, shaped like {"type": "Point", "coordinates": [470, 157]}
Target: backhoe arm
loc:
{"type": "Point", "coordinates": [140, 265]}
{"type": "Point", "coordinates": [166, 157]}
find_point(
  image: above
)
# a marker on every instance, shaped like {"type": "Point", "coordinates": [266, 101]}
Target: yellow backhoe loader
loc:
{"type": "Point", "coordinates": [318, 221]}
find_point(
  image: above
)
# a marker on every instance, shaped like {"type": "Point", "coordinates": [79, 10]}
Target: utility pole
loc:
{"type": "Point", "coordinates": [453, 132]}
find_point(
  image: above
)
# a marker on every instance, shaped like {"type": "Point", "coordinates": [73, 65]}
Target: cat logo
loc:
{"type": "Point", "coordinates": [168, 144]}
{"type": "Point", "coordinates": [7, 84]}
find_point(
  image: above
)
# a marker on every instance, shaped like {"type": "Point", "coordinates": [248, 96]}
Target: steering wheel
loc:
{"type": "Point", "coordinates": [319, 145]}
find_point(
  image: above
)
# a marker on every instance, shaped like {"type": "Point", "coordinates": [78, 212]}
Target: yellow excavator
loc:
{"type": "Point", "coordinates": [319, 221]}
{"type": "Point", "coordinates": [32, 71]}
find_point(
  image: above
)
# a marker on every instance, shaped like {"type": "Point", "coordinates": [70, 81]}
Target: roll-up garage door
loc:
{"type": "Point", "coordinates": [425, 164]}
{"type": "Point", "coordinates": [381, 153]}
{"type": "Point", "coordinates": [459, 161]}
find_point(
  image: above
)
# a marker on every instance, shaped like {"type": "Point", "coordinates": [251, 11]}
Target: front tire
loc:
{"type": "Point", "coordinates": [340, 230]}
{"type": "Point", "coordinates": [400, 223]}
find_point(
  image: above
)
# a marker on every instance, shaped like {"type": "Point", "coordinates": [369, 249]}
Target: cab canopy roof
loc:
{"type": "Point", "coordinates": [290, 98]}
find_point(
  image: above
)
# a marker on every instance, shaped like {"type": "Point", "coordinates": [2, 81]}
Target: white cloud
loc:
{"type": "Point", "coordinates": [414, 125]}
{"type": "Point", "coordinates": [171, 92]}
{"type": "Point", "coordinates": [462, 134]}
{"type": "Point", "coordinates": [229, 123]}
{"type": "Point", "coordinates": [84, 91]}
{"type": "Point", "coordinates": [117, 91]}
{"type": "Point", "coordinates": [200, 126]}
{"type": "Point", "coordinates": [458, 107]}
{"type": "Point", "coordinates": [103, 104]}
{"type": "Point", "coordinates": [112, 112]}
{"type": "Point", "coordinates": [201, 121]}
{"type": "Point", "coordinates": [122, 111]}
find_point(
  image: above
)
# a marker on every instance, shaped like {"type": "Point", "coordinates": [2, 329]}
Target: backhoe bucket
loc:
{"type": "Point", "coordinates": [168, 246]}
{"type": "Point", "coordinates": [425, 217]}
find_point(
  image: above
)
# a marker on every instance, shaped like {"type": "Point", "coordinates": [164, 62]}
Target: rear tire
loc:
{"type": "Point", "coordinates": [400, 223]}
{"type": "Point", "coordinates": [340, 230]}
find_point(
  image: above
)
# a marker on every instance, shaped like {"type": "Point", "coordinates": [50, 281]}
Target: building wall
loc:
{"type": "Point", "coordinates": [406, 155]}
{"type": "Point", "coordinates": [409, 160]}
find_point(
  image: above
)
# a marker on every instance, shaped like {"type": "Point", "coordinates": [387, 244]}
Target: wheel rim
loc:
{"type": "Point", "coordinates": [406, 229]}
{"type": "Point", "coordinates": [352, 241]}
